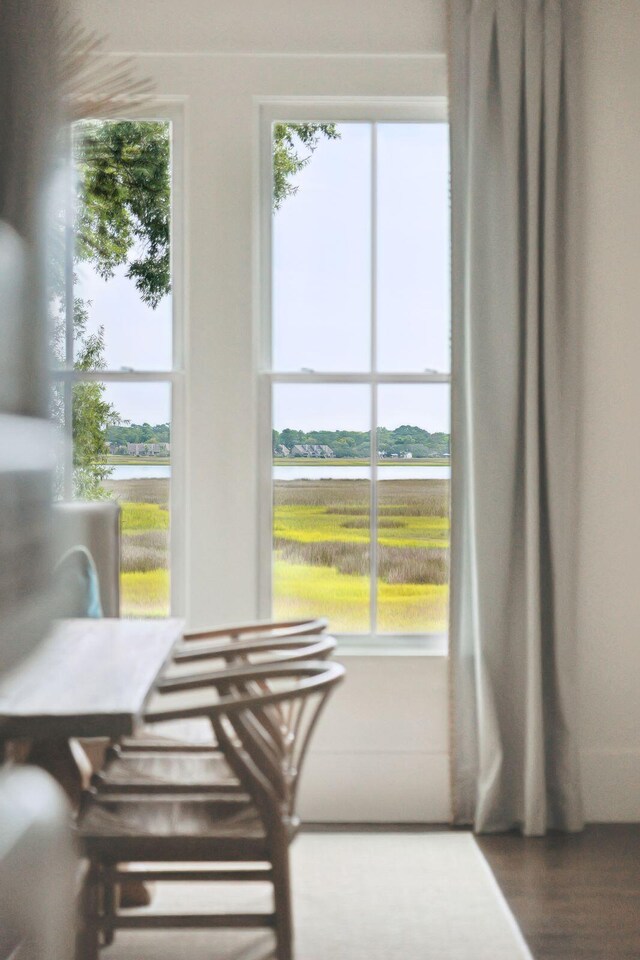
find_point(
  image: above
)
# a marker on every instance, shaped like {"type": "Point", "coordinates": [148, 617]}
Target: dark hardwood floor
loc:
{"type": "Point", "coordinates": [575, 897]}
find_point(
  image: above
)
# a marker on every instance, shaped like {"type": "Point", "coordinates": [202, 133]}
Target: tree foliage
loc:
{"type": "Point", "coordinates": [139, 433]}
{"type": "Point", "coordinates": [288, 140]}
{"type": "Point", "coordinates": [124, 203]}
{"type": "Point", "coordinates": [356, 444]}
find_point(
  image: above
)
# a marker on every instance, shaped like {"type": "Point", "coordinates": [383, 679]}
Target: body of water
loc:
{"type": "Point", "coordinates": [361, 473]}
{"type": "Point", "coordinates": [151, 471]}
{"type": "Point", "coordinates": [143, 471]}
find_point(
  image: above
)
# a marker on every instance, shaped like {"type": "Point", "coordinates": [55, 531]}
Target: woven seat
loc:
{"type": "Point", "coordinates": [157, 830]}
{"type": "Point", "coordinates": [143, 772]}
{"type": "Point", "coordinates": [193, 734]}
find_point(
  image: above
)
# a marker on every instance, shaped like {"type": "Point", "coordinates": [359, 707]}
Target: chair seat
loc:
{"type": "Point", "coordinates": [168, 769]}
{"type": "Point", "coordinates": [159, 830]}
{"type": "Point", "coordinates": [184, 734]}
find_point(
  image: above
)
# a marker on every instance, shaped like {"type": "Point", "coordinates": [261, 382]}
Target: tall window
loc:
{"type": "Point", "coordinates": [359, 375]}
{"type": "Point", "coordinates": [115, 369]}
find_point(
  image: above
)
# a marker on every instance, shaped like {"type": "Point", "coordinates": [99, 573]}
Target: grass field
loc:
{"type": "Point", "coordinates": [321, 551]}
{"type": "Point", "coordinates": [144, 577]}
{"type": "Point", "coordinates": [116, 459]}
{"type": "Point", "coordinates": [321, 541]}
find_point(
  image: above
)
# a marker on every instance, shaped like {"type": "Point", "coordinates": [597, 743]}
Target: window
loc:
{"type": "Point", "coordinates": [117, 381]}
{"type": "Point", "coordinates": [357, 372]}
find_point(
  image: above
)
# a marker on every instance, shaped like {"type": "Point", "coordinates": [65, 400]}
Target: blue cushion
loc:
{"type": "Point", "coordinates": [77, 585]}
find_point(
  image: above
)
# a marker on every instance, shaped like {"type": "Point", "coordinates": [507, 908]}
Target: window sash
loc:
{"type": "Point", "coordinates": [419, 110]}
{"type": "Point", "coordinates": [173, 112]}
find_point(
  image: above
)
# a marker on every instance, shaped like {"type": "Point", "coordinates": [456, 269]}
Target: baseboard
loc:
{"type": "Point", "coordinates": [611, 785]}
{"type": "Point", "coordinates": [359, 787]}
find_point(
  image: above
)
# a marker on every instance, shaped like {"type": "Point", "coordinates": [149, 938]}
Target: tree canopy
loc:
{"type": "Point", "coordinates": [288, 139]}
{"type": "Point", "coordinates": [355, 443]}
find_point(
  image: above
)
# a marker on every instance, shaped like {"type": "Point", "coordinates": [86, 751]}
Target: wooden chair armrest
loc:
{"type": "Point", "coordinates": [211, 697]}
{"type": "Point", "coordinates": [229, 651]}
{"type": "Point", "coordinates": [283, 627]}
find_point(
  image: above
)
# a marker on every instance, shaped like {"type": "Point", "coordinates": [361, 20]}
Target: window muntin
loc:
{"type": "Point", "coordinates": [130, 375]}
{"type": "Point", "coordinates": [407, 369]}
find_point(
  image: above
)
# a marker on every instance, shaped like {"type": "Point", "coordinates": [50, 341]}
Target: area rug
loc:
{"type": "Point", "coordinates": [358, 896]}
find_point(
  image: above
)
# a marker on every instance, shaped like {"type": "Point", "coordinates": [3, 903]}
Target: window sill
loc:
{"type": "Point", "coordinates": [433, 646]}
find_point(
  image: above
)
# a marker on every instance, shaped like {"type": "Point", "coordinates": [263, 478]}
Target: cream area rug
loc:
{"type": "Point", "coordinates": [357, 896]}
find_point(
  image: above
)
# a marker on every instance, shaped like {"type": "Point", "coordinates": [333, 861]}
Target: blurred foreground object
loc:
{"type": "Point", "coordinates": [28, 112]}
{"type": "Point", "coordinates": [37, 867]}
{"type": "Point", "coordinates": [37, 863]}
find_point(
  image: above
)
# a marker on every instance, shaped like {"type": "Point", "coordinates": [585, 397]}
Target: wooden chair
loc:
{"type": "Point", "coordinates": [199, 648]}
{"type": "Point", "coordinates": [186, 768]}
{"type": "Point", "coordinates": [264, 736]}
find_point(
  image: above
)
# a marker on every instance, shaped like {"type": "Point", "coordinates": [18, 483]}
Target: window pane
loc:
{"type": "Point", "coordinates": [122, 449]}
{"type": "Point", "coordinates": [321, 479]}
{"type": "Point", "coordinates": [322, 256]}
{"type": "Point", "coordinates": [412, 282]}
{"type": "Point", "coordinates": [413, 508]}
{"type": "Point", "coordinates": [122, 280]}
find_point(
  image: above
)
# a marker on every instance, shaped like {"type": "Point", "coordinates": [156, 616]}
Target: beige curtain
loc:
{"type": "Point", "coordinates": [514, 435]}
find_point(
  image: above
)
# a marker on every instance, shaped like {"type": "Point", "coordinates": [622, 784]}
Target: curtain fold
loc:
{"type": "Point", "coordinates": [513, 656]}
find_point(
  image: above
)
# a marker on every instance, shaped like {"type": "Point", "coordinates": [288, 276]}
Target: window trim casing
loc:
{"type": "Point", "coordinates": [268, 110]}
{"type": "Point", "coordinates": [173, 110]}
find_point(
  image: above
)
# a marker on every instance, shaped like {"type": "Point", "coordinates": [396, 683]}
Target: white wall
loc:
{"type": "Point", "coordinates": [608, 549]}
{"type": "Point", "coordinates": [383, 751]}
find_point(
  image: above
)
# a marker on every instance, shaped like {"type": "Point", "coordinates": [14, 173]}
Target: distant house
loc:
{"type": "Point", "coordinates": [317, 450]}
{"type": "Point", "coordinates": [148, 449]}
{"type": "Point", "coordinates": [281, 450]}
{"type": "Point", "coordinates": [406, 456]}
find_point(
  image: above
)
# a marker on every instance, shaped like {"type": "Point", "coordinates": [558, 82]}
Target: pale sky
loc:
{"type": "Point", "coordinates": [322, 277]}
{"type": "Point", "coordinates": [322, 287]}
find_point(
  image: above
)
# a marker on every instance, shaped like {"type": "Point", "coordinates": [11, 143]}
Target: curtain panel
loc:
{"type": "Point", "coordinates": [513, 657]}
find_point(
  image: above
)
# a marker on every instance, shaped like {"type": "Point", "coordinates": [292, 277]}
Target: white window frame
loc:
{"type": "Point", "coordinates": [323, 110]}
{"type": "Point", "coordinates": [171, 110]}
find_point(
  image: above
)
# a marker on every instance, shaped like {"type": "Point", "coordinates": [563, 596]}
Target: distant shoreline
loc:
{"type": "Point", "coordinates": [358, 462]}
{"type": "Point", "coordinates": [115, 460]}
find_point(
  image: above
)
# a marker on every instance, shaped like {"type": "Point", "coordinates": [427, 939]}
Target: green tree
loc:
{"type": "Point", "coordinates": [289, 139]}
{"type": "Point", "coordinates": [122, 217]}
{"type": "Point", "coordinates": [123, 213]}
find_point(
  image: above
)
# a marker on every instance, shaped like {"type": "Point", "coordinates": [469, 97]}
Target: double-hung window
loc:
{"type": "Point", "coordinates": [117, 378]}
{"type": "Point", "coordinates": [356, 367]}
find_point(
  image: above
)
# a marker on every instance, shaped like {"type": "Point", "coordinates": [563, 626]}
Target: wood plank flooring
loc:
{"type": "Point", "coordinates": [575, 897]}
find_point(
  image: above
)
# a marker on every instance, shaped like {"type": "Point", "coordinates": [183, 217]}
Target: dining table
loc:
{"type": "Point", "coordinates": [83, 687]}
{"type": "Point", "coordinates": [88, 678]}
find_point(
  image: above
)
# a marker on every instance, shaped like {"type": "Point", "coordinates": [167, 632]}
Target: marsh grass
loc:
{"type": "Point", "coordinates": [144, 557]}
{"type": "Point", "coordinates": [145, 551]}
{"type": "Point", "coordinates": [395, 564]}
{"type": "Point", "coordinates": [321, 543]}
{"type": "Point", "coordinates": [360, 523]}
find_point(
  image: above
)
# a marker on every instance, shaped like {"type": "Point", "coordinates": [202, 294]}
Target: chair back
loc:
{"type": "Point", "coordinates": [263, 717]}
{"type": "Point", "coordinates": [266, 740]}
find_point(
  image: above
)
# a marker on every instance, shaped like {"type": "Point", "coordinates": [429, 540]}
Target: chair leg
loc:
{"type": "Point", "coordinates": [282, 903]}
{"type": "Point", "coordinates": [109, 907]}
{"type": "Point", "coordinates": [87, 941]}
